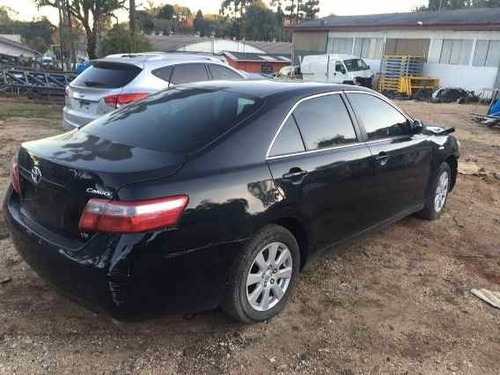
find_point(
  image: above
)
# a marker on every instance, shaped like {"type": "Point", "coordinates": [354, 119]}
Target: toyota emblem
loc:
{"type": "Point", "coordinates": [36, 175]}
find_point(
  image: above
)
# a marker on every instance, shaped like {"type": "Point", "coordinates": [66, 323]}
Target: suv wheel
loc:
{"type": "Point", "coordinates": [264, 275]}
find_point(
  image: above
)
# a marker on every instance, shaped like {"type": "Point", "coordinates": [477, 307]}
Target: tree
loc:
{"type": "Point", "coordinates": [258, 23]}
{"type": "Point", "coordinates": [436, 5]}
{"type": "Point", "coordinates": [200, 25]}
{"type": "Point", "coordinates": [166, 12]}
{"type": "Point", "coordinates": [119, 40]}
{"type": "Point", "coordinates": [236, 6]}
{"type": "Point", "coordinates": [35, 34]}
{"type": "Point", "coordinates": [145, 21]}
{"type": "Point", "coordinates": [4, 16]}
{"type": "Point", "coordinates": [310, 9]}
{"type": "Point", "coordinates": [92, 14]}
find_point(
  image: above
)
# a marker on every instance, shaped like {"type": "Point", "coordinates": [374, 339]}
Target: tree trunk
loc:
{"type": "Point", "coordinates": [91, 43]}
{"type": "Point", "coordinates": [132, 20]}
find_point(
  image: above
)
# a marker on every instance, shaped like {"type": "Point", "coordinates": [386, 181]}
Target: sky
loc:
{"type": "Point", "coordinates": [26, 9]}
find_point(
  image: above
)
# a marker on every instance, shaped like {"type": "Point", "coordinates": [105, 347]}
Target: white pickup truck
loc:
{"type": "Point", "coordinates": [336, 68]}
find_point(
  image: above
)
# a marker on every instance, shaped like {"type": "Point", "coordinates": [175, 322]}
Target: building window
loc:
{"type": "Point", "coordinates": [487, 53]}
{"type": "Point", "coordinates": [369, 48]}
{"type": "Point", "coordinates": [266, 68]}
{"type": "Point", "coordinates": [455, 51]}
{"type": "Point", "coordinates": [340, 45]}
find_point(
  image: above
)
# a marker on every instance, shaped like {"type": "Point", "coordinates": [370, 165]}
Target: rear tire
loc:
{"type": "Point", "coordinates": [438, 193]}
{"type": "Point", "coordinates": [263, 276]}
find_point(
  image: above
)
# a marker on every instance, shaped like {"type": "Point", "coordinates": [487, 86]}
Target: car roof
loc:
{"type": "Point", "coordinates": [146, 58]}
{"type": "Point", "coordinates": [276, 87]}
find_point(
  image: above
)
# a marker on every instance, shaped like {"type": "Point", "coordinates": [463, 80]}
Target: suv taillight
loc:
{"type": "Point", "coordinates": [67, 95]}
{"type": "Point", "coordinates": [16, 181]}
{"type": "Point", "coordinates": [122, 99]}
{"type": "Point", "coordinates": [101, 215]}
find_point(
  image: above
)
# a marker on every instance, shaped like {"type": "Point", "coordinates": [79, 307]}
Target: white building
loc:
{"type": "Point", "coordinates": [193, 43]}
{"type": "Point", "coordinates": [461, 47]}
{"type": "Point", "coordinates": [11, 45]}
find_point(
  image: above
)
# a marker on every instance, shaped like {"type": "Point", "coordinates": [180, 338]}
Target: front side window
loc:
{"type": "Point", "coordinates": [324, 122]}
{"type": "Point", "coordinates": [380, 119]}
{"type": "Point", "coordinates": [339, 67]}
{"type": "Point", "coordinates": [185, 73]}
{"type": "Point", "coordinates": [288, 140]}
{"type": "Point", "coordinates": [355, 65]}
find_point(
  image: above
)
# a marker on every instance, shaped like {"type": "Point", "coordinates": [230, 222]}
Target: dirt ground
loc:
{"type": "Point", "coordinates": [394, 302]}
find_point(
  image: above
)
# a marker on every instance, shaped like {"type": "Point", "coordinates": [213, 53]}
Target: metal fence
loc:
{"type": "Point", "coordinates": [32, 83]}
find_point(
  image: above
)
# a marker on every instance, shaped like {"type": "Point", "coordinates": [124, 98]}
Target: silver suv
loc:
{"type": "Point", "coordinates": [117, 80]}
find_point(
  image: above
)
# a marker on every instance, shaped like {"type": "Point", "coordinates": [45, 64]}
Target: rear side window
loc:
{"type": "Point", "coordinates": [288, 140]}
{"type": "Point", "coordinates": [164, 73]}
{"type": "Point", "coordinates": [180, 120]}
{"type": "Point", "coordinates": [324, 122]}
{"type": "Point", "coordinates": [185, 73]}
{"type": "Point", "coordinates": [380, 119]}
{"type": "Point", "coordinates": [223, 73]}
{"type": "Point", "coordinates": [107, 75]}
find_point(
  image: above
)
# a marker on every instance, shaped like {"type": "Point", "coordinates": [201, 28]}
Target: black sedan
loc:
{"type": "Point", "coordinates": [219, 194]}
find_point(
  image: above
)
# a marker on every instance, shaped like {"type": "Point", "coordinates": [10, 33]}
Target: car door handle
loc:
{"type": "Point", "coordinates": [294, 174]}
{"type": "Point", "coordinates": [382, 158]}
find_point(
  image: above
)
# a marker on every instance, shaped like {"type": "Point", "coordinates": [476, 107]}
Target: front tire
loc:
{"type": "Point", "coordinates": [438, 193]}
{"type": "Point", "coordinates": [263, 276]}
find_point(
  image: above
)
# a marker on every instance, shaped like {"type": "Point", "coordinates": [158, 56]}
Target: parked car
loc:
{"type": "Point", "coordinates": [219, 193]}
{"type": "Point", "coordinates": [117, 80]}
{"type": "Point", "coordinates": [336, 68]}
{"type": "Point", "coordinates": [290, 71]}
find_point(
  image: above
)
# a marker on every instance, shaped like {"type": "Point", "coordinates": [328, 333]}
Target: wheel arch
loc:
{"type": "Point", "coordinates": [452, 161]}
{"type": "Point", "coordinates": [300, 232]}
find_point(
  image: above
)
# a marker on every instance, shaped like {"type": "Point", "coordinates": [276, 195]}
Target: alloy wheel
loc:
{"type": "Point", "coordinates": [269, 276]}
{"type": "Point", "coordinates": [441, 191]}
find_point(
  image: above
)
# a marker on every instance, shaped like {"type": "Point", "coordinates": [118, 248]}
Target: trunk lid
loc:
{"type": "Point", "coordinates": [60, 174]}
{"type": "Point", "coordinates": [90, 101]}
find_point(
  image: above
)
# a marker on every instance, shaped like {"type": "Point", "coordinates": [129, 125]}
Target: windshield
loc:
{"type": "Point", "coordinates": [355, 64]}
{"type": "Point", "coordinates": [180, 120]}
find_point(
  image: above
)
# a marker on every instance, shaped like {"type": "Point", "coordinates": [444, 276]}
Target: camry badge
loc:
{"type": "Point", "coordinates": [107, 194]}
{"type": "Point", "coordinates": [36, 175]}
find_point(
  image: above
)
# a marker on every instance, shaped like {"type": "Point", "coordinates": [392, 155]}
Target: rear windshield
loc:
{"type": "Point", "coordinates": [107, 75]}
{"type": "Point", "coordinates": [355, 64]}
{"type": "Point", "coordinates": [180, 120]}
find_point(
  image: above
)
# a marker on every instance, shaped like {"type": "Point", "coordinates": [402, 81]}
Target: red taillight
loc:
{"type": "Point", "coordinates": [66, 91]}
{"type": "Point", "coordinates": [16, 182]}
{"type": "Point", "coordinates": [101, 215]}
{"type": "Point", "coordinates": [122, 99]}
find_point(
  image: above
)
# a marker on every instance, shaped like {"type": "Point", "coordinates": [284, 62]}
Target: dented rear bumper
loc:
{"type": "Point", "coordinates": [124, 275]}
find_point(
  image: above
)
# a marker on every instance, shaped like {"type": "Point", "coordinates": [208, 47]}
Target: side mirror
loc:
{"type": "Point", "coordinates": [368, 67]}
{"type": "Point", "coordinates": [416, 127]}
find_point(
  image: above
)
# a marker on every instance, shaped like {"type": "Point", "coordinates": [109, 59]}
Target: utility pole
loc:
{"type": "Point", "coordinates": [132, 20]}
{"type": "Point", "coordinates": [72, 49]}
{"type": "Point", "coordinates": [60, 8]}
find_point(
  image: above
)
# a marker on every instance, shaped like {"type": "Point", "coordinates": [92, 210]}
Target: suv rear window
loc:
{"type": "Point", "coordinates": [107, 75]}
{"type": "Point", "coordinates": [180, 120]}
